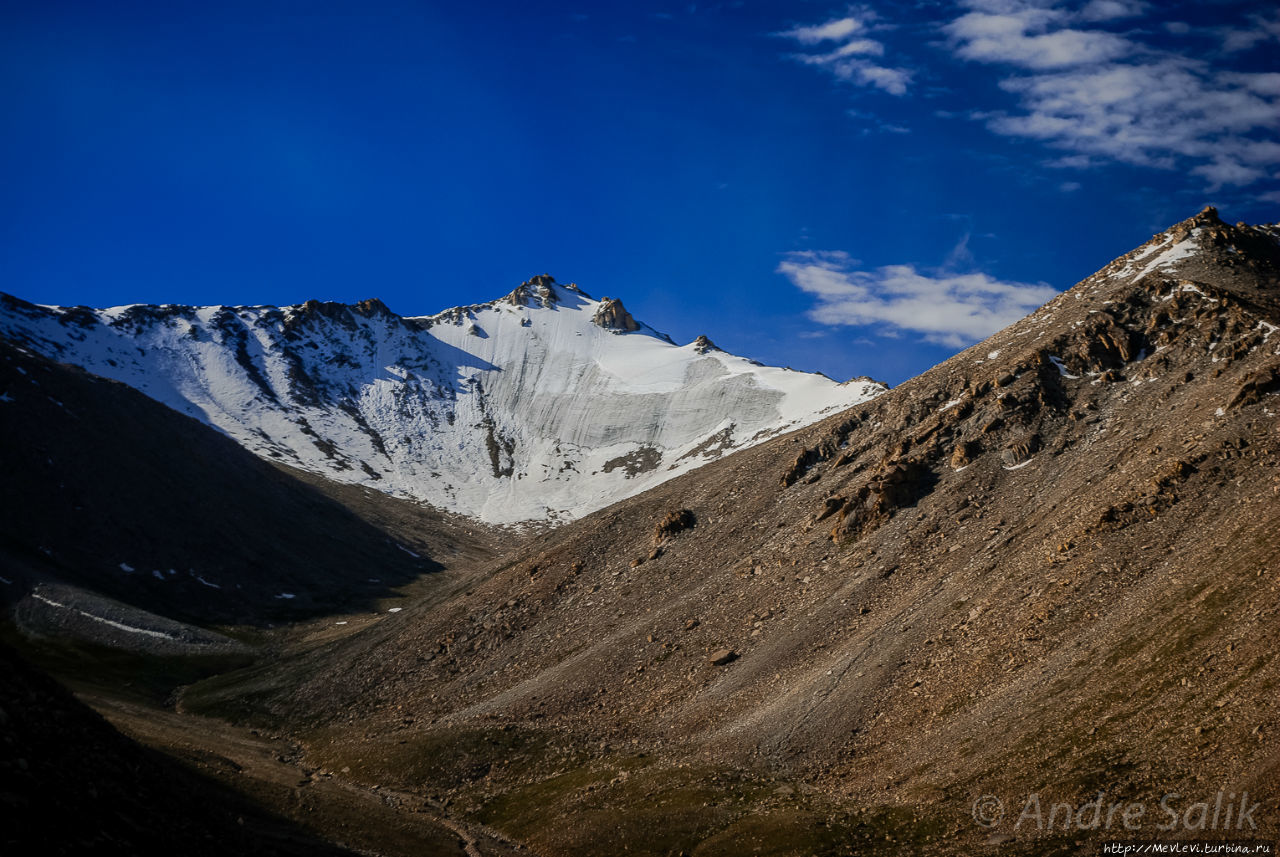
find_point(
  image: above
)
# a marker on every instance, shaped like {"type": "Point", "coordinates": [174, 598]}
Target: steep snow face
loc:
{"type": "Point", "coordinates": [542, 406]}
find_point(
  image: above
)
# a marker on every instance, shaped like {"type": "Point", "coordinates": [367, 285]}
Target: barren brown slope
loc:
{"type": "Point", "coordinates": [1048, 564]}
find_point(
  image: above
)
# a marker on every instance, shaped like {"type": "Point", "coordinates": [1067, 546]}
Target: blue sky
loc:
{"type": "Point", "coordinates": [855, 189]}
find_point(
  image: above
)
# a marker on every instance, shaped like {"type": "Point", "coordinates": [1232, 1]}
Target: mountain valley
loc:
{"type": "Point", "coordinates": [1049, 565]}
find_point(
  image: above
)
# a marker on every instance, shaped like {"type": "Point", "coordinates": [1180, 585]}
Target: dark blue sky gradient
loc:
{"type": "Point", "coordinates": [435, 154]}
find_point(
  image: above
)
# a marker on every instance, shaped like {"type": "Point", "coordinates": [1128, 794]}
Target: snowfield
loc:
{"type": "Point", "coordinates": [522, 409]}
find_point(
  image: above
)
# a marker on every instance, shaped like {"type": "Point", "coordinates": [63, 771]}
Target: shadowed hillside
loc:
{"type": "Point", "coordinates": [74, 785]}
{"type": "Point", "coordinates": [108, 490]}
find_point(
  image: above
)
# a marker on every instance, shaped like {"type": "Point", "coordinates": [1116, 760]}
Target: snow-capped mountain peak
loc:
{"type": "Point", "coordinates": [544, 404]}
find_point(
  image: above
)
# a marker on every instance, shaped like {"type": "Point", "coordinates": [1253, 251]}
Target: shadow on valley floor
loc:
{"type": "Point", "coordinates": [74, 785]}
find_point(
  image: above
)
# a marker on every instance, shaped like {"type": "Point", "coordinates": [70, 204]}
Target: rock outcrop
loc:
{"type": "Point", "coordinates": [612, 315]}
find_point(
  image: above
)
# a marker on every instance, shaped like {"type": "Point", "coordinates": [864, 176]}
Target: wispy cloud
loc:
{"type": "Point", "coordinates": [874, 124]}
{"type": "Point", "coordinates": [1106, 97]}
{"type": "Point", "coordinates": [960, 255]}
{"type": "Point", "coordinates": [1260, 31]}
{"type": "Point", "coordinates": [1158, 113]}
{"type": "Point", "coordinates": [844, 50]}
{"type": "Point", "coordinates": [1099, 82]}
{"type": "Point", "coordinates": [1110, 10]}
{"type": "Point", "coordinates": [946, 308]}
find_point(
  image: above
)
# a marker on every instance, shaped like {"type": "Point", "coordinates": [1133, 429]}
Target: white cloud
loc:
{"type": "Point", "coordinates": [868, 47]}
{"type": "Point", "coordinates": [1240, 40]}
{"type": "Point", "coordinates": [1270, 196]}
{"type": "Point", "coordinates": [848, 60]}
{"type": "Point", "coordinates": [1156, 113]}
{"type": "Point", "coordinates": [1071, 162]}
{"type": "Point", "coordinates": [1110, 10]}
{"type": "Point", "coordinates": [892, 80]}
{"type": "Point", "coordinates": [1069, 187]}
{"type": "Point", "coordinates": [1263, 83]}
{"type": "Point", "coordinates": [1079, 84]}
{"type": "Point", "coordinates": [1235, 39]}
{"type": "Point", "coordinates": [1101, 96]}
{"type": "Point", "coordinates": [1013, 7]}
{"type": "Point", "coordinates": [835, 30]}
{"type": "Point", "coordinates": [1023, 35]}
{"type": "Point", "coordinates": [945, 308]}
{"type": "Point", "coordinates": [1221, 172]}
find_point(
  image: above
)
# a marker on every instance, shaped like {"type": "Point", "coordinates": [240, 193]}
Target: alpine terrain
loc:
{"type": "Point", "coordinates": [1044, 573]}
{"type": "Point", "coordinates": [541, 406]}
